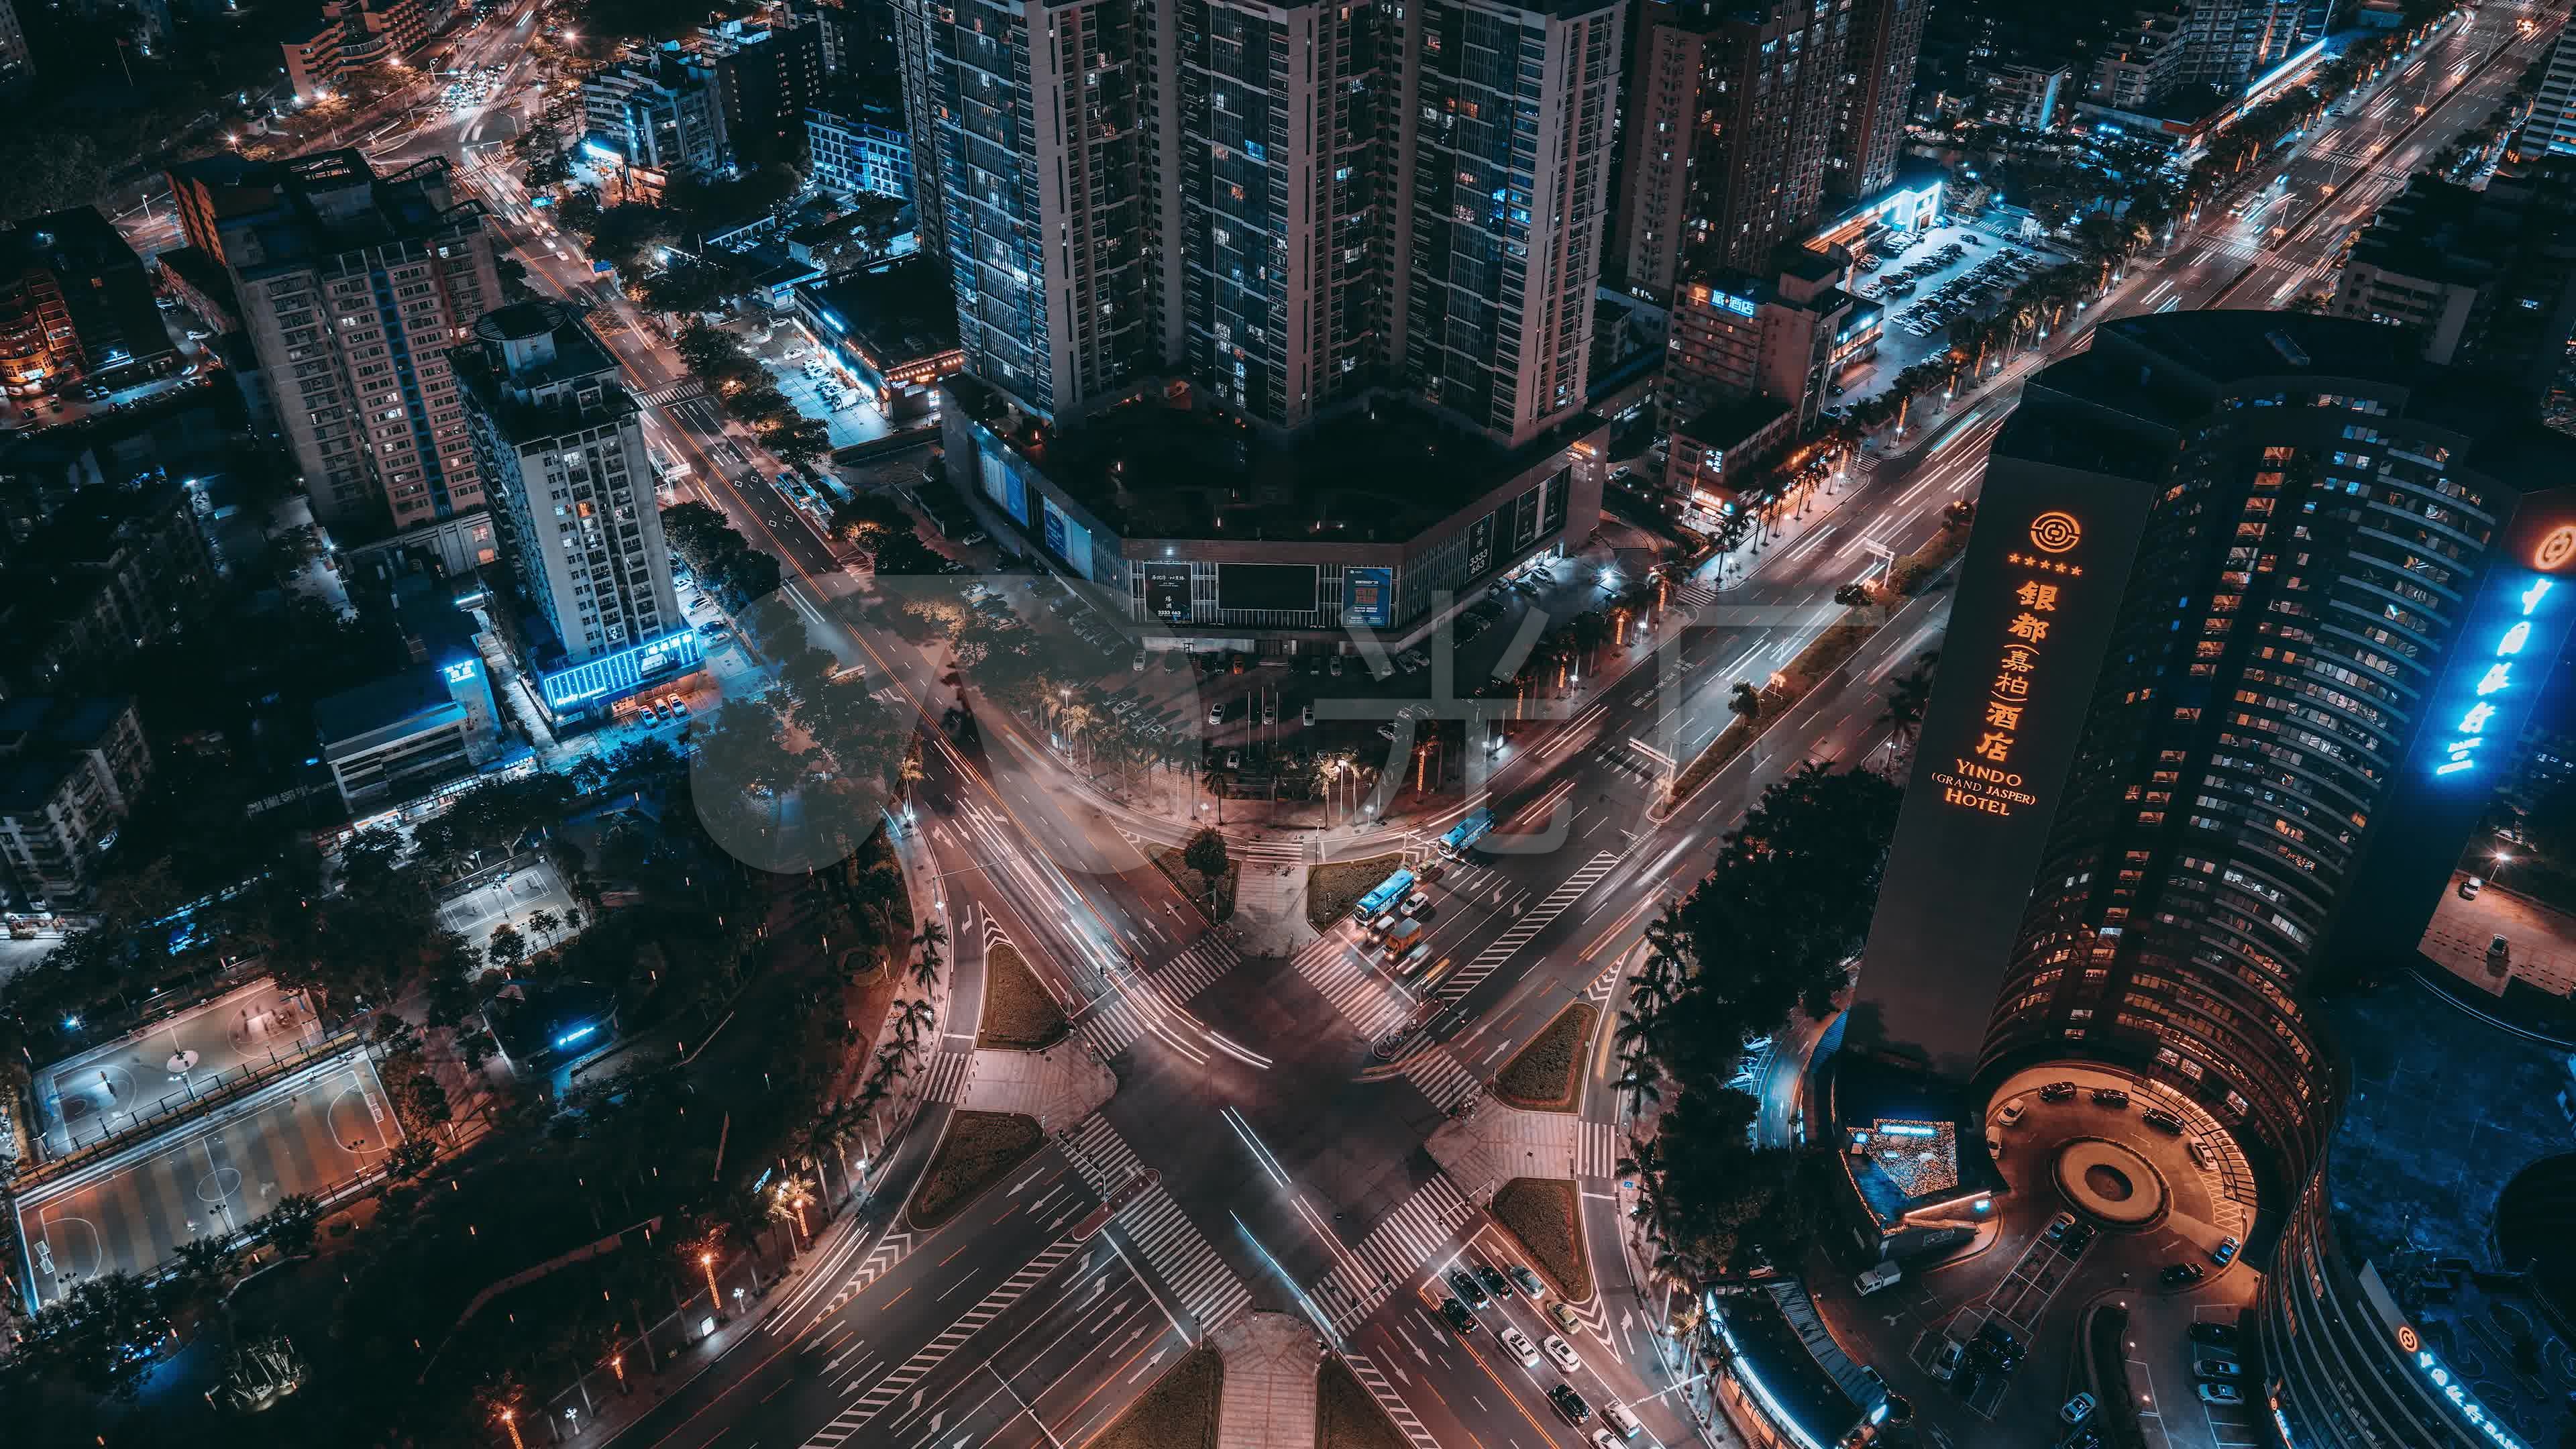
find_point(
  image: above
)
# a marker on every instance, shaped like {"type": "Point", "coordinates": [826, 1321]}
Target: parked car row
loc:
{"type": "Point", "coordinates": [1476, 1285]}
{"type": "Point", "coordinates": [1967, 291]}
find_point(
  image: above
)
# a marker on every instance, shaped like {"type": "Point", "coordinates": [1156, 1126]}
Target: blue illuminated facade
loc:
{"type": "Point", "coordinates": [612, 677]}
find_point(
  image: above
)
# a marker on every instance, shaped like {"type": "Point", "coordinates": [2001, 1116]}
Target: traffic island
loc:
{"type": "Point", "coordinates": [1543, 1213]}
{"type": "Point", "coordinates": [1546, 1075]}
{"type": "Point", "coordinates": [1018, 1013]}
{"type": "Point", "coordinates": [1178, 1412]}
{"type": "Point", "coordinates": [1346, 1417]}
{"type": "Point", "coordinates": [1331, 890]}
{"type": "Point", "coordinates": [1167, 859]}
{"type": "Point", "coordinates": [975, 1152]}
{"type": "Point", "coordinates": [1269, 1396]}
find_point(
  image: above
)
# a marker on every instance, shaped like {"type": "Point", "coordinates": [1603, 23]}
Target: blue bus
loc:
{"type": "Point", "coordinates": [1384, 898]}
{"type": "Point", "coordinates": [1466, 833]}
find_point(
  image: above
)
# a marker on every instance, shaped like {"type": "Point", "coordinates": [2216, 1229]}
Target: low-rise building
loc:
{"type": "Point", "coordinates": [895, 327]}
{"type": "Point", "coordinates": [405, 735]}
{"type": "Point", "coordinates": [2484, 278]}
{"type": "Point", "coordinates": [350, 35]}
{"type": "Point", "coordinates": [1719, 451]}
{"type": "Point", "coordinates": [1206, 540]}
{"type": "Point", "coordinates": [75, 307]}
{"type": "Point", "coordinates": [110, 571]}
{"type": "Point", "coordinates": [1780, 1373]}
{"type": "Point", "coordinates": [2027, 96]}
{"type": "Point", "coordinates": [859, 146]}
{"type": "Point", "coordinates": [661, 113]}
{"type": "Point", "coordinates": [70, 772]}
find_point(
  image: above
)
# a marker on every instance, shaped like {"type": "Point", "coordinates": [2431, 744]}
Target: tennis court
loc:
{"type": "Point", "coordinates": [110, 1087]}
{"type": "Point", "coordinates": [304, 1134]}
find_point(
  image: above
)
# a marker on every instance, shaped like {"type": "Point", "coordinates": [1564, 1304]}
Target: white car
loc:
{"type": "Point", "coordinates": [1518, 1342]}
{"type": "Point", "coordinates": [1564, 1354]}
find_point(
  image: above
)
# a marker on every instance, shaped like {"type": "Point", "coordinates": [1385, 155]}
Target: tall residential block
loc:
{"type": "Point", "coordinates": [1283, 206]}
{"type": "Point", "coordinates": [767, 74]}
{"type": "Point", "coordinates": [71, 770]}
{"type": "Point", "coordinates": [1886, 40]}
{"type": "Point", "coordinates": [1509, 119]}
{"type": "Point", "coordinates": [1732, 129]}
{"type": "Point", "coordinates": [352, 287]}
{"type": "Point", "coordinates": [663, 112]}
{"type": "Point", "coordinates": [2551, 126]}
{"type": "Point", "coordinates": [562, 445]}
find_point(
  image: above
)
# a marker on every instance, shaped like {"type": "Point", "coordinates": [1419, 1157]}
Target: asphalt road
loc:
{"type": "Point", "coordinates": [1290, 1156]}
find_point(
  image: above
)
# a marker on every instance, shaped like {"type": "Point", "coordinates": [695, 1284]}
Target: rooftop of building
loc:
{"type": "Point", "coordinates": [2450, 1174]}
{"type": "Point", "coordinates": [280, 214]}
{"type": "Point", "coordinates": [76, 240]}
{"type": "Point", "coordinates": [343, 721]}
{"type": "Point", "coordinates": [567, 352]}
{"type": "Point", "coordinates": [40, 737]}
{"type": "Point", "coordinates": [1782, 1348]}
{"type": "Point", "coordinates": [1911, 1142]}
{"type": "Point", "coordinates": [1384, 473]}
{"type": "Point", "coordinates": [1734, 421]}
{"type": "Point", "coordinates": [2164, 370]}
{"type": "Point", "coordinates": [897, 313]}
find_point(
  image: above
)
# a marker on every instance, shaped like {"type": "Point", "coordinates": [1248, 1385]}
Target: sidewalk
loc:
{"type": "Point", "coordinates": [1269, 1396]}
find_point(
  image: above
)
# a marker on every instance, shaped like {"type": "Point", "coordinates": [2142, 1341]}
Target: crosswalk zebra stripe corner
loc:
{"type": "Point", "coordinates": [1409, 1238]}
{"type": "Point", "coordinates": [1365, 1369]}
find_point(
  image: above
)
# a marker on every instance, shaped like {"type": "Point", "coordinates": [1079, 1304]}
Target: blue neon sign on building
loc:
{"type": "Point", "coordinates": [614, 676]}
{"type": "Point", "coordinates": [2496, 687]}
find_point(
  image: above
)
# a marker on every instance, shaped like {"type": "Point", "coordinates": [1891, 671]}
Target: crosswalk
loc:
{"type": "Point", "coordinates": [1596, 1149]}
{"type": "Point", "coordinates": [1690, 595]}
{"type": "Point", "coordinates": [946, 1077]}
{"type": "Point", "coordinates": [1365, 1369]}
{"type": "Point", "coordinates": [662, 397]}
{"type": "Point", "coordinates": [2245, 251]}
{"type": "Point", "coordinates": [1444, 1079]}
{"type": "Point", "coordinates": [1536, 919]}
{"type": "Point", "coordinates": [885, 1391]}
{"type": "Point", "coordinates": [1113, 1025]}
{"type": "Point", "coordinates": [1367, 1000]}
{"type": "Point", "coordinates": [1196, 969]}
{"type": "Point", "coordinates": [1162, 1234]}
{"type": "Point", "coordinates": [1403, 1243]}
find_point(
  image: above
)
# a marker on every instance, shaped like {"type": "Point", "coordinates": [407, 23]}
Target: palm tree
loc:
{"type": "Point", "coordinates": [925, 967]}
{"type": "Point", "coordinates": [1635, 1033]}
{"type": "Point", "coordinates": [1744, 700]}
{"type": "Point", "coordinates": [1639, 1080]}
{"type": "Point", "coordinates": [1908, 695]}
{"type": "Point", "coordinates": [545, 923]}
{"type": "Point", "coordinates": [916, 1017]}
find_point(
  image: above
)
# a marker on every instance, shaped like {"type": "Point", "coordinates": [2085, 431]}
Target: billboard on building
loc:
{"type": "Point", "coordinates": [1067, 540]}
{"type": "Point", "coordinates": [1480, 545]}
{"type": "Point", "coordinates": [1266, 586]}
{"type": "Point", "coordinates": [1525, 520]}
{"type": "Point", "coordinates": [2038, 596]}
{"type": "Point", "coordinates": [1368, 597]}
{"type": "Point", "coordinates": [1004, 486]}
{"type": "Point", "coordinates": [1167, 592]}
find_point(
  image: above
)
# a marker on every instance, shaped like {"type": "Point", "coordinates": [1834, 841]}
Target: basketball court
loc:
{"type": "Point", "coordinates": [105, 1090]}
{"type": "Point", "coordinates": [304, 1134]}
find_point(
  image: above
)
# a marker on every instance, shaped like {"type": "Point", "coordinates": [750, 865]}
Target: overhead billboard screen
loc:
{"type": "Point", "coordinates": [1266, 586]}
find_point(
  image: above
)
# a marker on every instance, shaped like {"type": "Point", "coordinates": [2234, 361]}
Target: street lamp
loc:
{"type": "Point", "coordinates": [707, 1264]}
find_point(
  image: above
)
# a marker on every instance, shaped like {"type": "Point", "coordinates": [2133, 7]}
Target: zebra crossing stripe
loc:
{"type": "Point", "coordinates": [1402, 1244]}
{"type": "Point", "coordinates": [1444, 1079]}
{"type": "Point", "coordinates": [1596, 1148]}
{"type": "Point", "coordinates": [1533, 921]}
{"type": "Point", "coordinates": [1163, 1235]}
{"type": "Point", "coordinates": [1366, 1371]}
{"type": "Point", "coordinates": [1196, 969]}
{"type": "Point", "coordinates": [676, 392]}
{"type": "Point", "coordinates": [934, 1353]}
{"type": "Point", "coordinates": [881, 1259]}
{"type": "Point", "coordinates": [1363, 997]}
{"type": "Point", "coordinates": [1112, 1026]}
{"type": "Point", "coordinates": [947, 1075]}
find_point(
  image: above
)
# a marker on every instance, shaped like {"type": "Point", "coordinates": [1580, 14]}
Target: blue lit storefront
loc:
{"type": "Point", "coordinates": [1781, 1378]}
{"type": "Point", "coordinates": [590, 688]}
{"type": "Point", "coordinates": [1912, 203]}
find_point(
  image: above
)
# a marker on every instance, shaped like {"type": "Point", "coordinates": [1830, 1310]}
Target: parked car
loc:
{"type": "Point", "coordinates": [1999, 1341]}
{"type": "Point", "coordinates": [2058, 1225]}
{"type": "Point", "coordinates": [2111, 1097]}
{"type": "Point", "coordinates": [2077, 1409]}
{"type": "Point", "coordinates": [1528, 1280]}
{"type": "Point", "coordinates": [1522, 1349]}
{"type": "Point", "coordinates": [1460, 1316]}
{"type": "Point", "coordinates": [2057, 1092]}
{"type": "Point", "coordinates": [2220, 1394]}
{"type": "Point", "coordinates": [2162, 1120]}
{"type": "Point", "coordinates": [1563, 1353]}
{"type": "Point", "coordinates": [2177, 1275]}
{"type": "Point", "coordinates": [2078, 1238]}
{"type": "Point", "coordinates": [2224, 1253]}
{"type": "Point", "coordinates": [2470, 886]}
{"type": "Point", "coordinates": [1946, 1361]}
{"type": "Point", "coordinates": [1494, 1281]}
{"type": "Point", "coordinates": [2012, 1112]}
{"type": "Point", "coordinates": [2216, 1368]}
{"type": "Point", "coordinates": [1616, 1415]}
{"type": "Point", "coordinates": [2215, 1335]}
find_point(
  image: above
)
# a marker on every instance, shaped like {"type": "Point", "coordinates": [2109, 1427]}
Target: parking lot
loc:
{"type": "Point", "coordinates": [109, 1087]}
{"type": "Point", "coordinates": [1941, 257]}
{"type": "Point", "coordinates": [304, 1134]}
